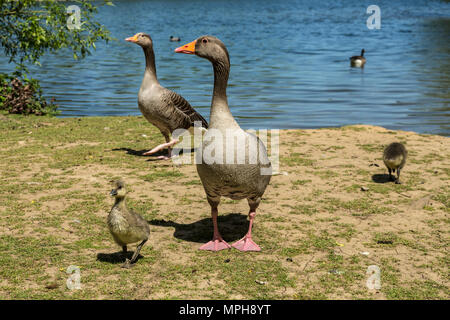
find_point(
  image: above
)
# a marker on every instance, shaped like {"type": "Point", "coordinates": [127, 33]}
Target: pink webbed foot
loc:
{"type": "Point", "coordinates": [164, 157]}
{"type": "Point", "coordinates": [150, 152]}
{"type": "Point", "coordinates": [246, 244]}
{"type": "Point", "coordinates": [215, 245]}
{"type": "Point", "coordinates": [161, 147]}
{"type": "Point", "coordinates": [169, 156]}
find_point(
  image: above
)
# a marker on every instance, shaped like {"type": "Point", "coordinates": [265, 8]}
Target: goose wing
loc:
{"type": "Point", "coordinates": [184, 109]}
{"type": "Point", "coordinates": [136, 221]}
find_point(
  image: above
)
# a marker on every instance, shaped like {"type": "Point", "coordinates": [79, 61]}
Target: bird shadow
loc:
{"type": "Point", "coordinates": [381, 178]}
{"type": "Point", "coordinates": [116, 257]}
{"type": "Point", "coordinates": [140, 153]}
{"type": "Point", "coordinates": [154, 156]}
{"type": "Point", "coordinates": [232, 227]}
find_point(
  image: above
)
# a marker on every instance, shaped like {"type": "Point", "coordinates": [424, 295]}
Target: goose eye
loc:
{"type": "Point", "coordinates": [205, 40]}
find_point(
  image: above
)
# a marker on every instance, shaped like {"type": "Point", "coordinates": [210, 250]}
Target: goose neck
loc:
{"type": "Point", "coordinates": [119, 202]}
{"type": "Point", "coordinates": [150, 67]}
{"type": "Point", "coordinates": [220, 112]}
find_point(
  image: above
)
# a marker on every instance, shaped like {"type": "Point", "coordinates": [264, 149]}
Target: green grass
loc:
{"type": "Point", "coordinates": [356, 207]}
{"type": "Point", "coordinates": [297, 159]}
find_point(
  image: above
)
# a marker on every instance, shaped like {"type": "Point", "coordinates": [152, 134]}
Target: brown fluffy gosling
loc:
{"type": "Point", "coordinates": [126, 226]}
{"type": "Point", "coordinates": [394, 157]}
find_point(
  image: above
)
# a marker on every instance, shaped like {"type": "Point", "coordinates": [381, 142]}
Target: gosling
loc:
{"type": "Point", "coordinates": [125, 225]}
{"type": "Point", "coordinates": [394, 157]}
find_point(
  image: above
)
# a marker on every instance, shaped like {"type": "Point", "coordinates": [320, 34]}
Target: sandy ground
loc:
{"type": "Point", "coordinates": [329, 215]}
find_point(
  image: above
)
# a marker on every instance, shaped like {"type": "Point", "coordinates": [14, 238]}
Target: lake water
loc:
{"type": "Point", "coordinates": [289, 62]}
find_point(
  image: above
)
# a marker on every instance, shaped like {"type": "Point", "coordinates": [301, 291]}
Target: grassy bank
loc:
{"type": "Point", "coordinates": [312, 225]}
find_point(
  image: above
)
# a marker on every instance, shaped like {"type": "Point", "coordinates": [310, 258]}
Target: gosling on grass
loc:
{"type": "Point", "coordinates": [126, 226]}
{"type": "Point", "coordinates": [394, 157]}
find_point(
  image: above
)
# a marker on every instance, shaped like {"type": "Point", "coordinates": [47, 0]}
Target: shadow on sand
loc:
{"type": "Point", "coordinates": [232, 227]}
{"type": "Point", "coordinates": [116, 257]}
{"type": "Point", "coordinates": [381, 178]}
{"type": "Point", "coordinates": [152, 157]}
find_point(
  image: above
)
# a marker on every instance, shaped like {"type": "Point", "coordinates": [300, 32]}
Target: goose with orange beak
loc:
{"type": "Point", "coordinates": [187, 48]}
{"type": "Point", "coordinates": [225, 176]}
{"type": "Point", "coordinates": [162, 107]}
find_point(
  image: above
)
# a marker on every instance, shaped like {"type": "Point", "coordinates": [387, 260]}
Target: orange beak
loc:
{"type": "Point", "coordinates": [187, 48]}
{"type": "Point", "coordinates": [132, 39]}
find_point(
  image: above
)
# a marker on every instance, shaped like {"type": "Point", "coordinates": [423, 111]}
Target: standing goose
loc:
{"type": "Point", "coordinates": [233, 179]}
{"type": "Point", "coordinates": [162, 107]}
{"type": "Point", "coordinates": [358, 61]}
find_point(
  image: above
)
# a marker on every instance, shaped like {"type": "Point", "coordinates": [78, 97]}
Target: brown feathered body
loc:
{"type": "Point", "coordinates": [394, 156]}
{"type": "Point", "coordinates": [358, 61]}
{"type": "Point", "coordinates": [126, 226]}
{"type": "Point", "coordinates": [167, 110]}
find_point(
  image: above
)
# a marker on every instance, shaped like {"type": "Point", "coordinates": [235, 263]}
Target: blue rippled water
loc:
{"type": "Point", "coordinates": [289, 62]}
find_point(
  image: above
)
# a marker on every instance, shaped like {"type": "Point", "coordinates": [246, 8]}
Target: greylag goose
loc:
{"type": "Point", "coordinates": [222, 178]}
{"type": "Point", "coordinates": [126, 226]}
{"type": "Point", "coordinates": [175, 39]}
{"type": "Point", "coordinates": [394, 157]}
{"type": "Point", "coordinates": [358, 61]}
{"type": "Point", "coordinates": [162, 107]}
